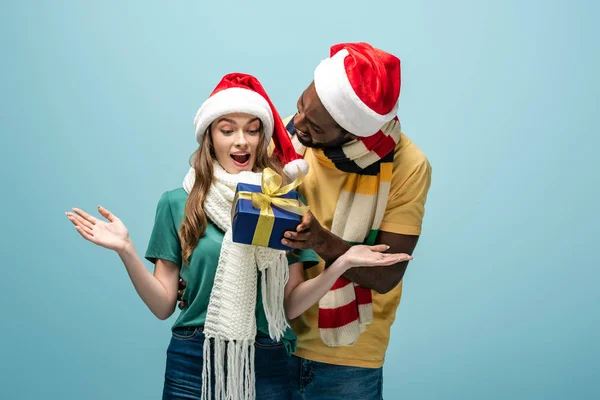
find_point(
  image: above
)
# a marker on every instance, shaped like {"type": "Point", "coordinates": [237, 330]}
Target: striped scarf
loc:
{"type": "Point", "coordinates": [347, 308]}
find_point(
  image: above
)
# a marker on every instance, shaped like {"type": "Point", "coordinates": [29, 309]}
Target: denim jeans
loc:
{"type": "Point", "coordinates": [183, 373]}
{"type": "Point", "coordinates": [311, 380]}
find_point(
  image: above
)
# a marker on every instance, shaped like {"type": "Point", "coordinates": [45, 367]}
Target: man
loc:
{"type": "Point", "coordinates": [367, 183]}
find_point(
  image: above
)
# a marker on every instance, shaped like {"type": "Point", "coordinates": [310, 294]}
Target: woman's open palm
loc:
{"type": "Point", "coordinates": [373, 256]}
{"type": "Point", "coordinates": [111, 234]}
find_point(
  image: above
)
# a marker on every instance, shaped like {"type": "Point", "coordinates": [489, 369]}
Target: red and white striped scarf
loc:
{"type": "Point", "coordinates": [347, 308]}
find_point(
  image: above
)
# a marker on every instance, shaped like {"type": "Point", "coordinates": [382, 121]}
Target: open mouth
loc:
{"type": "Point", "coordinates": [240, 159]}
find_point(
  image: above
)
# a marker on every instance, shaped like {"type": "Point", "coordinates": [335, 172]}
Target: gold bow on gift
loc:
{"type": "Point", "coordinates": [271, 190]}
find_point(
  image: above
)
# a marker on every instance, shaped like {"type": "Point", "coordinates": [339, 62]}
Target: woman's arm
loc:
{"type": "Point", "coordinates": [158, 291]}
{"type": "Point", "coordinates": [300, 295]}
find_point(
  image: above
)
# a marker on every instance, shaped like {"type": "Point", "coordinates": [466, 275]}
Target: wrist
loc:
{"type": "Point", "coordinates": [331, 247]}
{"type": "Point", "coordinates": [341, 264]}
{"type": "Point", "coordinates": [125, 248]}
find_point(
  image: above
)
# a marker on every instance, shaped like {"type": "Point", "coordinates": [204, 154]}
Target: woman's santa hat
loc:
{"type": "Point", "coordinates": [359, 86]}
{"type": "Point", "coordinates": [243, 93]}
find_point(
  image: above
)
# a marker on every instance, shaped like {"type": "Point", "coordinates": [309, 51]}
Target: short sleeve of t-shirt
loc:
{"type": "Point", "coordinates": [308, 257]}
{"type": "Point", "coordinates": [406, 204]}
{"type": "Point", "coordinates": [164, 240]}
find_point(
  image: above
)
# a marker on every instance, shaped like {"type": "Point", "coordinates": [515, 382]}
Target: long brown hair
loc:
{"type": "Point", "coordinates": [195, 221]}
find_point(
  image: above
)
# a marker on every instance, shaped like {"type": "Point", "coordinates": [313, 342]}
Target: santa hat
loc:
{"type": "Point", "coordinates": [243, 93]}
{"type": "Point", "coordinates": [359, 86]}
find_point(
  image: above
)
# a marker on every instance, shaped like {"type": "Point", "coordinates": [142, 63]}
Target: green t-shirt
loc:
{"type": "Point", "coordinates": [200, 274]}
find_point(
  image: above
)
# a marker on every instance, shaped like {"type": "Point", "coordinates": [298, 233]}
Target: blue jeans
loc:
{"type": "Point", "coordinates": [311, 380]}
{"type": "Point", "coordinates": [183, 373]}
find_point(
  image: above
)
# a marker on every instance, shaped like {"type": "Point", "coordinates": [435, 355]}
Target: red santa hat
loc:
{"type": "Point", "coordinates": [359, 86]}
{"type": "Point", "coordinates": [243, 93]}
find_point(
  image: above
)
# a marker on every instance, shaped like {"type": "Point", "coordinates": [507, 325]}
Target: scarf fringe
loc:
{"type": "Point", "coordinates": [273, 281]}
{"type": "Point", "coordinates": [233, 374]}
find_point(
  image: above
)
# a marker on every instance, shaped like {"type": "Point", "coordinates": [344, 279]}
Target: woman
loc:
{"type": "Point", "coordinates": [245, 323]}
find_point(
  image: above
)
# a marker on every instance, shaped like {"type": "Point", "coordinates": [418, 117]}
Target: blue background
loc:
{"type": "Point", "coordinates": [97, 102]}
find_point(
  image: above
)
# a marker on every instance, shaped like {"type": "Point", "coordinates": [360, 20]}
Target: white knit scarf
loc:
{"type": "Point", "coordinates": [230, 326]}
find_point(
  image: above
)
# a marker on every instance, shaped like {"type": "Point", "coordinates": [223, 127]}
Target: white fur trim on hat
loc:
{"type": "Point", "coordinates": [291, 168]}
{"type": "Point", "coordinates": [233, 100]}
{"type": "Point", "coordinates": [340, 100]}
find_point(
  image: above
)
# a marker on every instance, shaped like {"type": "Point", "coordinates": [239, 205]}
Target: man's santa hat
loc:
{"type": "Point", "coordinates": [243, 93]}
{"type": "Point", "coordinates": [359, 86]}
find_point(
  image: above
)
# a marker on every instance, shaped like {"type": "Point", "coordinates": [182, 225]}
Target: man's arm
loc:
{"type": "Point", "coordinates": [384, 279]}
{"type": "Point", "coordinates": [311, 235]}
{"type": "Point", "coordinates": [404, 214]}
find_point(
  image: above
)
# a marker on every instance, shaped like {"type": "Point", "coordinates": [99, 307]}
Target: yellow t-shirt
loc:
{"type": "Point", "coordinates": [322, 186]}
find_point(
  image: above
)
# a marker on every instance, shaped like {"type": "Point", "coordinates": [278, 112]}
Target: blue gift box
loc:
{"type": "Point", "coordinates": [245, 219]}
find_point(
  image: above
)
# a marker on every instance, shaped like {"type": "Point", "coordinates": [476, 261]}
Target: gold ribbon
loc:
{"type": "Point", "coordinates": [270, 196]}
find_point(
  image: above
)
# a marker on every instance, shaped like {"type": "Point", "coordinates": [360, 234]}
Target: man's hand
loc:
{"type": "Point", "coordinates": [311, 235]}
{"type": "Point", "coordinates": [308, 235]}
{"type": "Point", "coordinates": [180, 292]}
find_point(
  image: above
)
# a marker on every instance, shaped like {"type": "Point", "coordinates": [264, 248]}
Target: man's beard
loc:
{"type": "Point", "coordinates": [341, 140]}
